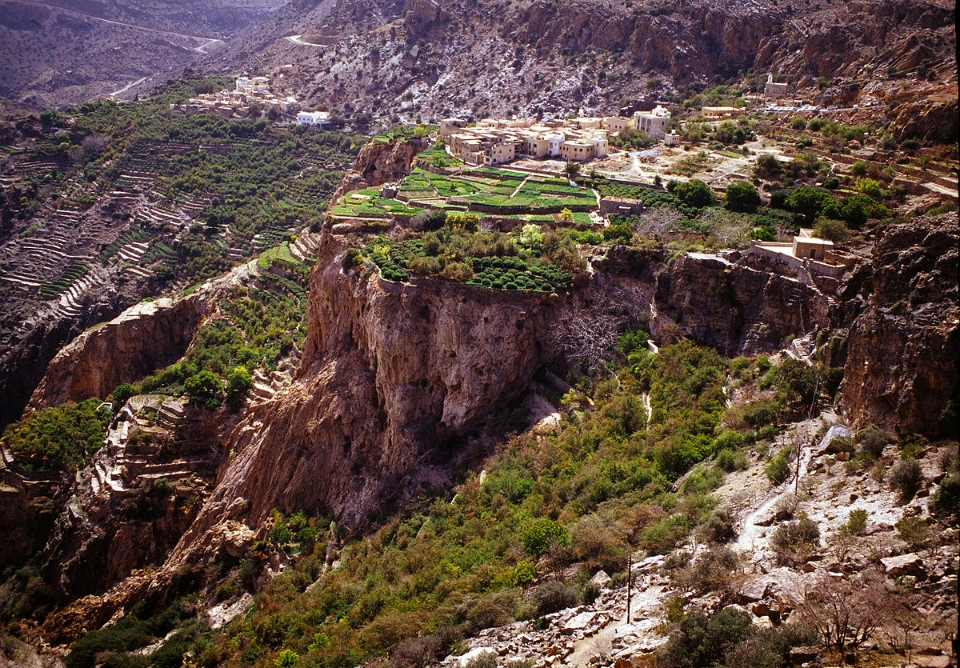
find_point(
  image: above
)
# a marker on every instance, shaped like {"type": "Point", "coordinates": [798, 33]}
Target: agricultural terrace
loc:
{"type": "Point", "coordinates": [499, 193]}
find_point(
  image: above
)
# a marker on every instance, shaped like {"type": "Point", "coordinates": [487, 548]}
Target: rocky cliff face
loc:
{"type": "Point", "coordinates": [904, 346]}
{"type": "Point", "coordinates": [380, 163]}
{"type": "Point", "coordinates": [395, 379]}
{"type": "Point", "coordinates": [145, 337]}
{"type": "Point", "coordinates": [400, 381]}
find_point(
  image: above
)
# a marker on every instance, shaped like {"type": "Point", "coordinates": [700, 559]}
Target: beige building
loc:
{"type": "Point", "coordinates": [774, 90]}
{"type": "Point", "coordinates": [493, 142]}
{"type": "Point", "coordinates": [808, 246]}
{"type": "Point", "coordinates": [653, 123]}
{"type": "Point", "coordinates": [617, 124]}
{"type": "Point", "coordinates": [449, 126]}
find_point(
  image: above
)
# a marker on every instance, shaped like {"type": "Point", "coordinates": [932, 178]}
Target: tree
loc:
{"type": "Point", "coordinates": [430, 220]}
{"type": "Point", "coordinates": [543, 533]}
{"type": "Point", "coordinates": [742, 196]}
{"type": "Point", "coordinates": [767, 166]}
{"type": "Point", "coordinates": [846, 613]}
{"type": "Point", "coordinates": [694, 193]}
{"type": "Point", "coordinates": [808, 202]}
{"type": "Point", "coordinates": [468, 222]}
{"type": "Point", "coordinates": [572, 169]}
{"type": "Point", "coordinates": [204, 386]}
{"type": "Point", "coordinates": [588, 333]}
{"type": "Point", "coordinates": [120, 395]}
{"type": "Point", "coordinates": [238, 381]}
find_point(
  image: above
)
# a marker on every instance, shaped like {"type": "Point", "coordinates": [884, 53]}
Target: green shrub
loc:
{"type": "Point", "coordinates": [352, 258]}
{"type": "Point", "coordinates": [120, 395]}
{"type": "Point", "coordinates": [666, 534]}
{"type": "Point", "coordinates": [770, 647]}
{"type": "Point", "coordinates": [238, 381]}
{"type": "Point", "coordinates": [732, 460]}
{"type": "Point", "coordinates": [286, 659]}
{"type": "Point", "coordinates": [553, 597]}
{"type": "Point", "coordinates": [540, 534]}
{"type": "Point", "coordinates": [720, 526]}
{"type": "Point", "coordinates": [67, 435]}
{"type": "Point", "coordinates": [711, 571]}
{"type": "Point", "coordinates": [703, 642]}
{"type": "Point", "coordinates": [856, 524]}
{"type": "Point", "coordinates": [796, 536]}
{"type": "Point", "coordinates": [457, 271]}
{"type": "Point", "coordinates": [915, 531]}
{"type": "Point", "coordinates": [492, 610]}
{"type": "Point", "coordinates": [203, 386]}
{"type": "Point", "coordinates": [524, 572]}
{"type": "Point", "coordinates": [833, 230]}
{"type": "Point", "coordinates": [778, 468]}
{"type": "Point", "coordinates": [873, 440]}
{"type": "Point", "coordinates": [761, 413]}
{"type": "Point", "coordinates": [905, 478]}
{"type": "Point", "coordinates": [946, 501]}
{"type": "Point", "coordinates": [795, 382]}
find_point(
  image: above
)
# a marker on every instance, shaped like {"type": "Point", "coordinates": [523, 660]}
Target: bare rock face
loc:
{"type": "Point", "coordinates": [720, 303]}
{"type": "Point", "coordinates": [392, 376]}
{"type": "Point", "coordinates": [380, 163]}
{"type": "Point", "coordinates": [147, 336]}
{"type": "Point", "coordinates": [931, 120]}
{"type": "Point", "coordinates": [902, 346]}
{"type": "Point", "coordinates": [420, 15]}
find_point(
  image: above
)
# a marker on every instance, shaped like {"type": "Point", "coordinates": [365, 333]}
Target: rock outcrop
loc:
{"type": "Point", "coordinates": [902, 346]}
{"type": "Point", "coordinates": [145, 337]}
{"type": "Point", "coordinates": [380, 163]}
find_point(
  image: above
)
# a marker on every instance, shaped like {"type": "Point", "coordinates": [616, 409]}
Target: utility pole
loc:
{"type": "Point", "coordinates": [629, 585]}
{"type": "Point", "coordinates": [796, 479]}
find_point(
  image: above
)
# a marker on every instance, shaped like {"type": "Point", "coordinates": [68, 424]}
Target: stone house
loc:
{"type": "Point", "coordinates": [774, 90]}
{"type": "Point", "coordinates": [653, 123]}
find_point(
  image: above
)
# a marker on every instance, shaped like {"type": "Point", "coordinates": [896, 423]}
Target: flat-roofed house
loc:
{"type": "Point", "coordinates": [653, 123]}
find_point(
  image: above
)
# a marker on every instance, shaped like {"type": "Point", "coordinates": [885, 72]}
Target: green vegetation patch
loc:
{"type": "Point", "coordinates": [70, 275]}
{"type": "Point", "coordinates": [587, 493]}
{"type": "Point", "coordinates": [61, 437]}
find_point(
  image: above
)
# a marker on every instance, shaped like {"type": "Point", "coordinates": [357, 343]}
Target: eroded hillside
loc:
{"type": "Point", "coordinates": [421, 59]}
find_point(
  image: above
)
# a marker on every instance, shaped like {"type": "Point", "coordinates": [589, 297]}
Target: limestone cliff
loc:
{"type": "Point", "coordinates": [145, 337]}
{"type": "Point", "coordinates": [399, 381]}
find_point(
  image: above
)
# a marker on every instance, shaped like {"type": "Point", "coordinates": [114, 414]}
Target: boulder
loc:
{"type": "Point", "coordinates": [904, 564]}
{"type": "Point", "coordinates": [601, 580]}
{"type": "Point", "coordinates": [941, 661]}
{"type": "Point", "coordinates": [578, 623]}
{"type": "Point", "coordinates": [803, 654]}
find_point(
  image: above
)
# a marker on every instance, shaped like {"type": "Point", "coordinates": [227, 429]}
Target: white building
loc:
{"type": "Point", "coordinates": [654, 123]}
{"type": "Point", "coordinates": [774, 90]}
{"type": "Point", "coordinates": [318, 118]}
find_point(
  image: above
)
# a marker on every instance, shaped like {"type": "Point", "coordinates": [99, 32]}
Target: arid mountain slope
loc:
{"type": "Point", "coordinates": [425, 59]}
{"type": "Point", "coordinates": [67, 52]}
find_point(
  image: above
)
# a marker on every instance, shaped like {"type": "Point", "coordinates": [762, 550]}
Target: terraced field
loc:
{"type": "Point", "coordinates": [106, 204]}
{"type": "Point", "coordinates": [493, 192]}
